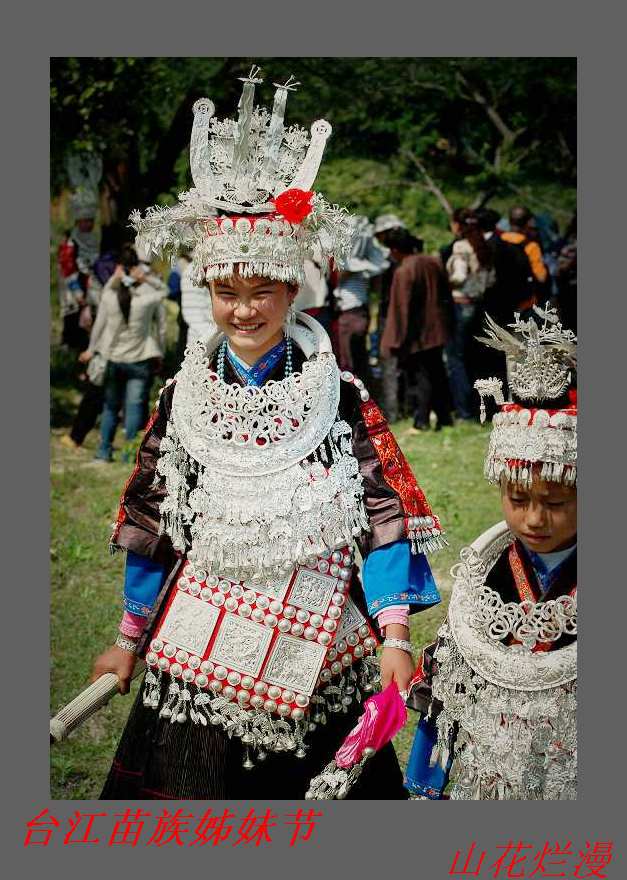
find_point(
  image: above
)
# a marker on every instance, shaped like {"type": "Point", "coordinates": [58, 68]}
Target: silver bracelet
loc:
{"type": "Point", "coordinates": [398, 643]}
{"type": "Point", "coordinates": [126, 643]}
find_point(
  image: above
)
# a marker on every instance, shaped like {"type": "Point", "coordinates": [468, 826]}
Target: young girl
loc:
{"type": "Point", "coordinates": [261, 469]}
{"type": "Point", "coordinates": [498, 689]}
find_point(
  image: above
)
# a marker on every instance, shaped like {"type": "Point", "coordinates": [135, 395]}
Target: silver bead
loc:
{"type": "Point", "coordinates": [151, 658]}
{"type": "Point", "coordinates": [224, 587]}
{"type": "Point", "coordinates": [288, 696]}
{"type": "Point", "coordinates": [262, 602]}
{"type": "Point", "coordinates": [324, 638]}
{"type": "Point", "coordinates": [250, 596]}
{"type": "Point", "coordinates": [301, 700]}
{"type": "Point", "coordinates": [176, 669]}
{"type": "Point", "coordinates": [345, 574]}
{"type": "Point", "coordinates": [297, 715]}
{"type": "Point", "coordinates": [244, 610]}
{"type": "Point", "coordinates": [164, 664]}
{"type": "Point", "coordinates": [270, 620]}
{"type": "Point", "coordinates": [220, 673]}
{"type": "Point", "coordinates": [236, 591]}
{"type": "Point", "coordinates": [243, 696]}
{"type": "Point", "coordinates": [256, 701]}
{"type": "Point", "coordinates": [156, 645]}
{"type": "Point", "coordinates": [216, 687]}
{"type": "Point", "coordinates": [284, 710]}
{"type": "Point", "coordinates": [289, 611]}
{"type": "Point", "coordinates": [258, 615]}
{"type": "Point", "coordinates": [352, 639]}
{"type": "Point", "coordinates": [310, 633]}
{"type": "Point", "coordinates": [201, 680]}
{"type": "Point", "coordinates": [347, 660]}
{"type": "Point", "coordinates": [260, 687]}
{"type": "Point", "coordinates": [169, 651]}
{"type": "Point", "coordinates": [330, 625]}
{"type": "Point", "coordinates": [182, 656]}
{"type": "Point", "coordinates": [316, 620]}
{"type": "Point", "coordinates": [229, 692]}
{"type": "Point", "coordinates": [194, 589]}
{"type": "Point", "coordinates": [364, 631]}
{"type": "Point", "coordinates": [217, 599]}
{"type": "Point", "coordinates": [270, 706]}
{"type": "Point", "coordinates": [341, 646]}
{"type": "Point", "coordinates": [323, 566]}
{"type": "Point", "coordinates": [336, 556]}
{"type": "Point", "coordinates": [338, 599]}
{"type": "Point", "coordinates": [234, 678]}
{"type": "Point", "coordinates": [188, 675]}
{"type": "Point", "coordinates": [231, 604]}
{"type": "Point", "coordinates": [336, 668]}
{"type": "Point", "coordinates": [274, 692]}
{"type": "Point", "coordinates": [284, 625]}
{"type": "Point", "coordinates": [302, 616]}
{"type": "Point", "coordinates": [276, 607]}
{"type": "Point", "coordinates": [247, 682]}
{"type": "Point", "coordinates": [206, 594]}
{"type": "Point", "coordinates": [207, 667]}
{"type": "Point", "coordinates": [334, 612]}
{"type": "Point", "coordinates": [297, 629]}
{"type": "Point", "coordinates": [334, 570]}
{"type": "Point", "coordinates": [358, 651]}
{"type": "Point", "coordinates": [332, 654]}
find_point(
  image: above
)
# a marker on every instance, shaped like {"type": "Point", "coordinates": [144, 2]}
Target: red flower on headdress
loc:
{"type": "Point", "coordinates": [294, 204]}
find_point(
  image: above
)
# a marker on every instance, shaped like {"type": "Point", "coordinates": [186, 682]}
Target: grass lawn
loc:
{"type": "Point", "coordinates": [86, 581]}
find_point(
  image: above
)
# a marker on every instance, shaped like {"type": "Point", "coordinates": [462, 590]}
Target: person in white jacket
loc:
{"type": "Point", "coordinates": [130, 332]}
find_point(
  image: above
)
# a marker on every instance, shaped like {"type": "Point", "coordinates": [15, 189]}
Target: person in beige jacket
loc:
{"type": "Point", "coordinates": [129, 332]}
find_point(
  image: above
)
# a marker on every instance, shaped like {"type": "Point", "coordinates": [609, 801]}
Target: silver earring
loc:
{"type": "Point", "coordinates": [290, 320]}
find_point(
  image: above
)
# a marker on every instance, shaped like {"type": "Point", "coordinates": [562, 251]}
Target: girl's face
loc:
{"type": "Point", "coordinates": [543, 517]}
{"type": "Point", "coordinates": [251, 313]}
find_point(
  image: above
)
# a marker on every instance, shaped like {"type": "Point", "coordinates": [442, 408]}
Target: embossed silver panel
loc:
{"type": "Point", "coordinates": [295, 664]}
{"type": "Point", "coordinates": [275, 590]}
{"type": "Point", "coordinates": [351, 619]}
{"type": "Point", "coordinates": [241, 644]}
{"type": "Point", "coordinates": [189, 623]}
{"type": "Point", "coordinates": [312, 591]}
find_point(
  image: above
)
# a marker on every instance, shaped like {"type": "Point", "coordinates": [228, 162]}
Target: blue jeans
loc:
{"type": "Point", "coordinates": [457, 359]}
{"type": "Point", "coordinates": [125, 385]}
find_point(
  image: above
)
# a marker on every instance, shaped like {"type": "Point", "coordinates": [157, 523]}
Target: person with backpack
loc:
{"type": "Point", "coordinates": [520, 225]}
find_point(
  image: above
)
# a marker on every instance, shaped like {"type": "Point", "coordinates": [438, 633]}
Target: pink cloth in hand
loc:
{"type": "Point", "coordinates": [384, 715]}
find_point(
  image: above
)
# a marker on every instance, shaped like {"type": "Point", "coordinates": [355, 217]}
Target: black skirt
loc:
{"type": "Point", "coordinates": [157, 759]}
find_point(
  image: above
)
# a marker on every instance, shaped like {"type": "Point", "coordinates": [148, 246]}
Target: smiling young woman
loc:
{"type": "Point", "coordinates": [263, 468]}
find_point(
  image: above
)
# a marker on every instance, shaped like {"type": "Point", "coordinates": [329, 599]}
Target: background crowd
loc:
{"type": "Point", "coordinates": [404, 321]}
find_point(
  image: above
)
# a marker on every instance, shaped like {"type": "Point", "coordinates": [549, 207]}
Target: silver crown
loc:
{"type": "Point", "coordinates": [239, 165]}
{"type": "Point", "coordinates": [256, 166]}
{"type": "Point", "coordinates": [540, 357]}
{"type": "Point", "coordinates": [540, 360]}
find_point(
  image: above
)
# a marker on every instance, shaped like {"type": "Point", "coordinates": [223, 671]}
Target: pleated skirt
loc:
{"type": "Point", "coordinates": [157, 759]}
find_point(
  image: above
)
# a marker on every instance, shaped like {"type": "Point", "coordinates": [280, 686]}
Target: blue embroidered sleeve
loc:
{"type": "Point", "coordinates": [143, 579]}
{"type": "Point", "coordinates": [424, 776]}
{"type": "Point", "coordinates": [393, 575]}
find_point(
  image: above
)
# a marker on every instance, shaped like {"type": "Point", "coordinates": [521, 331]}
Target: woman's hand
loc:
{"type": "Point", "coordinates": [396, 665]}
{"type": "Point", "coordinates": [118, 661]}
{"type": "Point", "coordinates": [85, 357]}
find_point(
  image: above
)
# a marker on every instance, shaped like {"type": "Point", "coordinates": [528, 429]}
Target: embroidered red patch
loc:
{"type": "Point", "coordinates": [396, 470]}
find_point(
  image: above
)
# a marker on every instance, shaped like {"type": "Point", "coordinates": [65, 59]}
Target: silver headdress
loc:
{"type": "Point", "coordinates": [541, 357]}
{"type": "Point", "coordinates": [84, 173]}
{"type": "Point", "coordinates": [260, 172]}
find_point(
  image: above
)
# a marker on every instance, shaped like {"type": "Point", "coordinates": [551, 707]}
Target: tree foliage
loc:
{"type": "Point", "coordinates": [483, 125]}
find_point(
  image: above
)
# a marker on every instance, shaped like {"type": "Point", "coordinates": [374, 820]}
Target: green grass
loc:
{"type": "Point", "coordinates": [86, 581]}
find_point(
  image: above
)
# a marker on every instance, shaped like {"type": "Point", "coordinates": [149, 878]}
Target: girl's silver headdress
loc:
{"type": "Point", "coordinates": [540, 356]}
{"type": "Point", "coordinates": [260, 173]}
